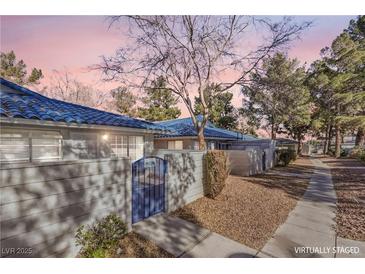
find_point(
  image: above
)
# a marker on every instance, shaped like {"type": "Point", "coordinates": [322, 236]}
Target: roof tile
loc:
{"type": "Point", "coordinates": [28, 104]}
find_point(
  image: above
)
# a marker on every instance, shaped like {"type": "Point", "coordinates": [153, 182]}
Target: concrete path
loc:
{"type": "Point", "coordinates": [309, 230]}
{"type": "Point", "coordinates": [185, 239]}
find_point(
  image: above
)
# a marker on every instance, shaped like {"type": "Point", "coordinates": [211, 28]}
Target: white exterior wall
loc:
{"type": "Point", "coordinates": [184, 178]}
{"type": "Point", "coordinates": [43, 205]}
{"type": "Point", "coordinates": [245, 163]}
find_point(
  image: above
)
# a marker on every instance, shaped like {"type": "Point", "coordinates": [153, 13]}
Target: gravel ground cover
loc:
{"type": "Point", "coordinates": [348, 176]}
{"type": "Point", "coordinates": [250, 209]}
{"type": "Point", "coordinates": [135, 246]}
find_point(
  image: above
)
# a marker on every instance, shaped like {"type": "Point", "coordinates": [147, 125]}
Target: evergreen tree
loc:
{"type": "Point", "coordinates": [125, 101]}
{"type": "Point", "coordinates": [16, 71]}
{"type": "Point", "coordinates": [277, 95]}
{"type": "Point", "coordinates": [299, 116]}
{"type": "Point", "coordinates": [338, 82]}
{"type": "Point", "coordinates": [160, 103]}
{"type": "Point", "coordinates": [356, 30]}
{"type": "Point", "coordinates": [221, 111]}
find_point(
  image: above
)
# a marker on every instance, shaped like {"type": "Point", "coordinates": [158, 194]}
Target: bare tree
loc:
{"type": "Point", "coordinates": [192, 52]}
{"type": "Point", "coordinates": [67, 88]}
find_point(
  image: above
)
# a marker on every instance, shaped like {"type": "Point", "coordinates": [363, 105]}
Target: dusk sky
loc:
{"type": "Point", "coordinates": [73, 43]}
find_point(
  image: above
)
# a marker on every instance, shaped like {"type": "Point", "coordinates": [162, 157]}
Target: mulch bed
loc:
{"type": "Point", "coordinates": [349, 181]}
{"type": "Point", "coordinates": [135, 246]}
{"type": "Point", "coordinates": [250, 209]}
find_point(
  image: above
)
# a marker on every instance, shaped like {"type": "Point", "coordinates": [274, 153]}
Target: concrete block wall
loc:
{"type": "Point", "coordinates": [245, 162]}
{"type": "Point", "coordinates": [43, 205]}
{"type": "Point", "coordinates": [270, 157]}
{"type": "Point", "coordinates": [184, 178]}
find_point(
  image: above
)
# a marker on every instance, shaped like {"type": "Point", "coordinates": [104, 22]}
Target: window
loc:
{"type": "Point", "coordinates": [119, 146]}
{"type": "Point", "coordinates": [46, 146]}
{"type": "Point", "coordinates": [171, 144]}
{"type": "Point", "coordinates": [46, 149]}
{"type": "Point", "coordinates": [175, 145]}
{"type": "Point", "coordinates": [178, 144]}
{"type": "Point", "coordinates": [211, 145]}
{"type": "Point", "coordinates": [14, 147]}
{"type": "Point", "coordinates": [124, 146]}
{"type": "Point", "coordinates": [81, 145]}
{"type": "Point", "coordinates": [25, 146]}
{"type": "Point", "coordinates": [195, 145]}
{"type": "Point", "coordinates": [136, 147]}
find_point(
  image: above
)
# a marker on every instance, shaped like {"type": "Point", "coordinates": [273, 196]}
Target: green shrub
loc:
{"type": "Point", "coordinates": [216, 171]}
{"type": "Point", "coordinates": [284, 157]}
{"type": "Point", "coordinates": [358, 153]}
{"type": "Point", "coordinates": [362, 156]}
{"type": "Point", "coordinates": [343, 152]}
{"type": "Point", "coordinates": [101, 239]}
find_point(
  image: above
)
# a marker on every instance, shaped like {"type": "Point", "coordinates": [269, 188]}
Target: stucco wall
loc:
{"type": "Point", "coordinates": [42, 205]}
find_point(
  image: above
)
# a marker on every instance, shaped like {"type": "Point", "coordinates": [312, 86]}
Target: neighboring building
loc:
{"type": "Point", "coordinates": [287, 143]}
{"type": "Point", "coordinates": [184, 136]}
{"type": "Point", "coordinates": [37, 128]}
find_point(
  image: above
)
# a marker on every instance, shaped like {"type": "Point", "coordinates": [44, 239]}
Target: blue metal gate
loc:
{"type": "Point", "coordinates": [148, 187]}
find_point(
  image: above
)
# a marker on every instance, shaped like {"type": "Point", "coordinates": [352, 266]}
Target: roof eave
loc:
{"type": "Point", "coordinates": [192, 137]}
{"type": "Point", "coordinates": [34, 122]}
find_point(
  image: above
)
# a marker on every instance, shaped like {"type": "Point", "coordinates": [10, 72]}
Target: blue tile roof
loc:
{"type": "Point", "coordinates": [185, 128]}
{"type": "Point", "coordinates": [27, 104]}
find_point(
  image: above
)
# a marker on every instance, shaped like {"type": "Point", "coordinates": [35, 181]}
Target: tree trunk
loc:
{"type": "Point", "coordinates": [201, 139]}
{"type": "Point", "coordinates": [360, 138]}
{"type": "Point", "coordinates": [273, 132]}
{"type": "Point", "coordinates": [326, 140]}
{"type": "Point", "coordinates": [330, 135]}
{"type": "Point", "coordinates": [300, 146]}
{"type": "Point", "coordinates": [338, 142]}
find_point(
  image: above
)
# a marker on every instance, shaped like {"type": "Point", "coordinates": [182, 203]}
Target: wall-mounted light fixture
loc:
{"type": "Point", "coordinates": [105, 137]}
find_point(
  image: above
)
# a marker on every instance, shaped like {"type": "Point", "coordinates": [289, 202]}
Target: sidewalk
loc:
{"type": "Point", "coordinates": [310, 224]}
{"type": "Point", "coordinates": [309, 230]}
{"type": "Point", "coordinates": [185, 239]}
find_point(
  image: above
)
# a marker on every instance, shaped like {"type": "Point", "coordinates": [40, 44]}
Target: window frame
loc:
{"type": "Point", "coordinates": [32, 134]}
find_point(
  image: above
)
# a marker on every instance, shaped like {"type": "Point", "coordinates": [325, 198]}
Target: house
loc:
{"type": "Point", "coordinates": [284, 143]}
{"type": "Point", "coordinates": [184, 136]}
{"type": "Point", "coordinates": [35, 128]}
{"type": "Point", "coordinates": [64, 165]}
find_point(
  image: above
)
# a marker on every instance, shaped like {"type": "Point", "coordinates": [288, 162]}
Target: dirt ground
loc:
{"type": "Point", "coordinates": [250, 209]}
{"type": "Point", "coordinates": [135, 246]}
{"type": "Point", "coordinates": [348, 176]}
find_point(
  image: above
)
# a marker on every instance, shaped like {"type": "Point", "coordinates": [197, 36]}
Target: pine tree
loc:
{"type": "Point", "coordinates": [125, 101]}
{"type": "Point", "coordinates": [277, 95]}
{"type": "Point", "coordinates": [16, 71]}
{"type": "Point", "coordinates": [160, 103]}
{"type": "Point", "coordinates": [338, 85]}
{"type": "Point", "coordinates": [222, 113]}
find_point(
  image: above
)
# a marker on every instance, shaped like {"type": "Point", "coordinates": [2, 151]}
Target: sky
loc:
{"type": "Point", "coordinates": [74, 43]}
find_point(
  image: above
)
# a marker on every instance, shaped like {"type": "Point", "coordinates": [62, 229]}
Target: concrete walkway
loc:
{"type": "Point", "coordinates": [185, 239]}
{"type": "Point", "coordinates": [311, 224]}
{"type": "Point", "coordinates": [309, 230]}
